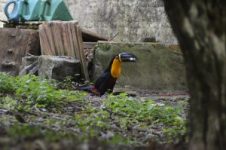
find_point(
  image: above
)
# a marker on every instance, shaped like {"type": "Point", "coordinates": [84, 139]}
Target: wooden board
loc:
{"type": "Point", "coordinates": [63, 38]}
{"type": "Point", "coordinates": [89, 36]}
{"type": "Point", "coordinates": [15, 44]}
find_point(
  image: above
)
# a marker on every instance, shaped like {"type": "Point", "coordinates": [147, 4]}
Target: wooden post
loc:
{"type": "Point", "coordinates": [63, 38]}
{"type": "Point", "coordinates": [81, 52]}
{"type": "Point", "coordinates": [15, 44]}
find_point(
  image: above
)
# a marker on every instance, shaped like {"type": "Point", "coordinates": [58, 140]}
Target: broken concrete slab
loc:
{"type": "Point", "coordinates": [58, 67]}
{"type": "Point", "coordinates": [158, 67]}
{"type": "Point", "coordinates": [29, 65]}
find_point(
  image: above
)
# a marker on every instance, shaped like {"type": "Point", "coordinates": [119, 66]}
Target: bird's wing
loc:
{"type": "Point", "coordinates": [104, 77]}
{"type": "Point", "coordinates": [105, 83]}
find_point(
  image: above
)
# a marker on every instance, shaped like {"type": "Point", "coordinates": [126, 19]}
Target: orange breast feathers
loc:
{"type": "Point", "coordinates": [116, 68]}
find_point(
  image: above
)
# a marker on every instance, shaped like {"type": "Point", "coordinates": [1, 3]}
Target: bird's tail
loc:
{"type": "Point", "coordinates": [88, 88]}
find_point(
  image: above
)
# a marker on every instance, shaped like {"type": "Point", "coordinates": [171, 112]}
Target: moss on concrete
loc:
{"type": "Point", "coordinates": [158, 67]}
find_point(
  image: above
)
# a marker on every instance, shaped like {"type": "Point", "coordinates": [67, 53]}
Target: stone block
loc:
{"type": "Point", "coordinates": [29, 65]}
{"type": "Point", "coordinates": [59, 67]}
{"type": "Point", "coordinates": [158, 67]}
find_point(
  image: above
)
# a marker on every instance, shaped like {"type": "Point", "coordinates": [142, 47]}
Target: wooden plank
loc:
{"type": "Point", "coordinates": [89, 50]}
{"type": "Point", "coordinates": [89, 36]}
{"type": "Point", "coordinates": [61, 38]}
{"type": "Point", "coordinates": [64, 39]}
{"type": "Point", "coordinates": [46, 40]}
{"type": "Point", "coordinates": [89, 45]}
{"type": "Point", "coordinates": [74, 40]}
{"type": "Point", "coordinates": [43, 40]}
{"type": "Point", "coordinates": [57, 37]}
{"type": "Point", "coordinates": [81, 53]}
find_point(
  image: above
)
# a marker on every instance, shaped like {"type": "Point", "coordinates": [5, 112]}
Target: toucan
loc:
{"type": "Point", "coordinates": [106, 81]}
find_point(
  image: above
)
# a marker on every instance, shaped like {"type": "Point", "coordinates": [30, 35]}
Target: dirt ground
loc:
{"type": "Point", "coordinates": [43, 129]}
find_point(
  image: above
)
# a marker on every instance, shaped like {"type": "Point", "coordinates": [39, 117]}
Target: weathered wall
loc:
{"type": "Point", "coordinates": [158, 67]}
{"type": "Point", "coordinates": [131, 20]}
{"type": "Point", "coordinates": [2, 16]}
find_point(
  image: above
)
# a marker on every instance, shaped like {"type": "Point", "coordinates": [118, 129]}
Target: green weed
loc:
{"type": "Point", "coordinates": [32, 91]}
{"type": "Point", "coordinates": [7, 83]}
{"type": "Point", "coordinates": [129, 112]}
{"type": "Point", "coordinates": [117, 114]}
{"type": "Point", "coordinates": [8, 103]}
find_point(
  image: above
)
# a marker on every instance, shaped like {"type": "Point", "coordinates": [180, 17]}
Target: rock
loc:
{"type": "Point", "coordinates": [58, 67]}
{"type": "Point", "coordinates": [158, 67]}
{"type": "Point", "coordinates": [29, 65]}
{"type": "Point", "coordinates": [51, 67]}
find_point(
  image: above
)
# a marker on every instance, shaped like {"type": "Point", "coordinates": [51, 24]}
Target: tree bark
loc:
{"type": "Point", "coordinates": [200, 27]}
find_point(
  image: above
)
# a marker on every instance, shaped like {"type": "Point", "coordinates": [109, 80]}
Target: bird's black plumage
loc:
{"type": "Point", "coordinates": [106, 81]}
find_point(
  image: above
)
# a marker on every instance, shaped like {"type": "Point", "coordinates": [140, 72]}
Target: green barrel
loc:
{"type": "Point", "coordinates": [37, 10]}
{"type": "Point", "coordinates": [54, 10]}
{"type": "Point", "coordinates": [30, 10]}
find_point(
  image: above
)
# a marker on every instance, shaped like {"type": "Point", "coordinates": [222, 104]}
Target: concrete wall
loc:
{"type": "Point", "coordinates": [2, 16]}
{"type": "Point", "coordinates": [158, 67]}
{"type": "Point", "coordinates": [133, 20]}
{"type": "Point", "coordinates": [130, 20]}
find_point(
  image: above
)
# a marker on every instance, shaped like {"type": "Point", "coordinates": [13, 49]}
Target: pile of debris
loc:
{"type": "Point", "coordinates": [56, 50]}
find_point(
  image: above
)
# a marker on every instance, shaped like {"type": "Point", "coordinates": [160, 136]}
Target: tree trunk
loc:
{"type": "Point", "coordinates": [200, 28]}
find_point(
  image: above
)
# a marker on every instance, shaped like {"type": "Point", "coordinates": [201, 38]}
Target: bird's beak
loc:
{"type": "Point", "coordinates": [127, 57]}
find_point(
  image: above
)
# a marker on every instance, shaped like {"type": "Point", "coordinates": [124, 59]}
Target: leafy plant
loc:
{"type": "Point", "coordinates": [114, 114]}
{"type": "Point", "coordinates": [8, 103]}
{"type": "Point", "coordinates": [7, 83]}
{"type": "Point", "coordinates": [129, 112]}
{"type": "Point", "coordinates": [91, 121]}
{"type": "Point", "coordinates": [33, 91]}
{"type": "Point", "coordinates": [67, 83]}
